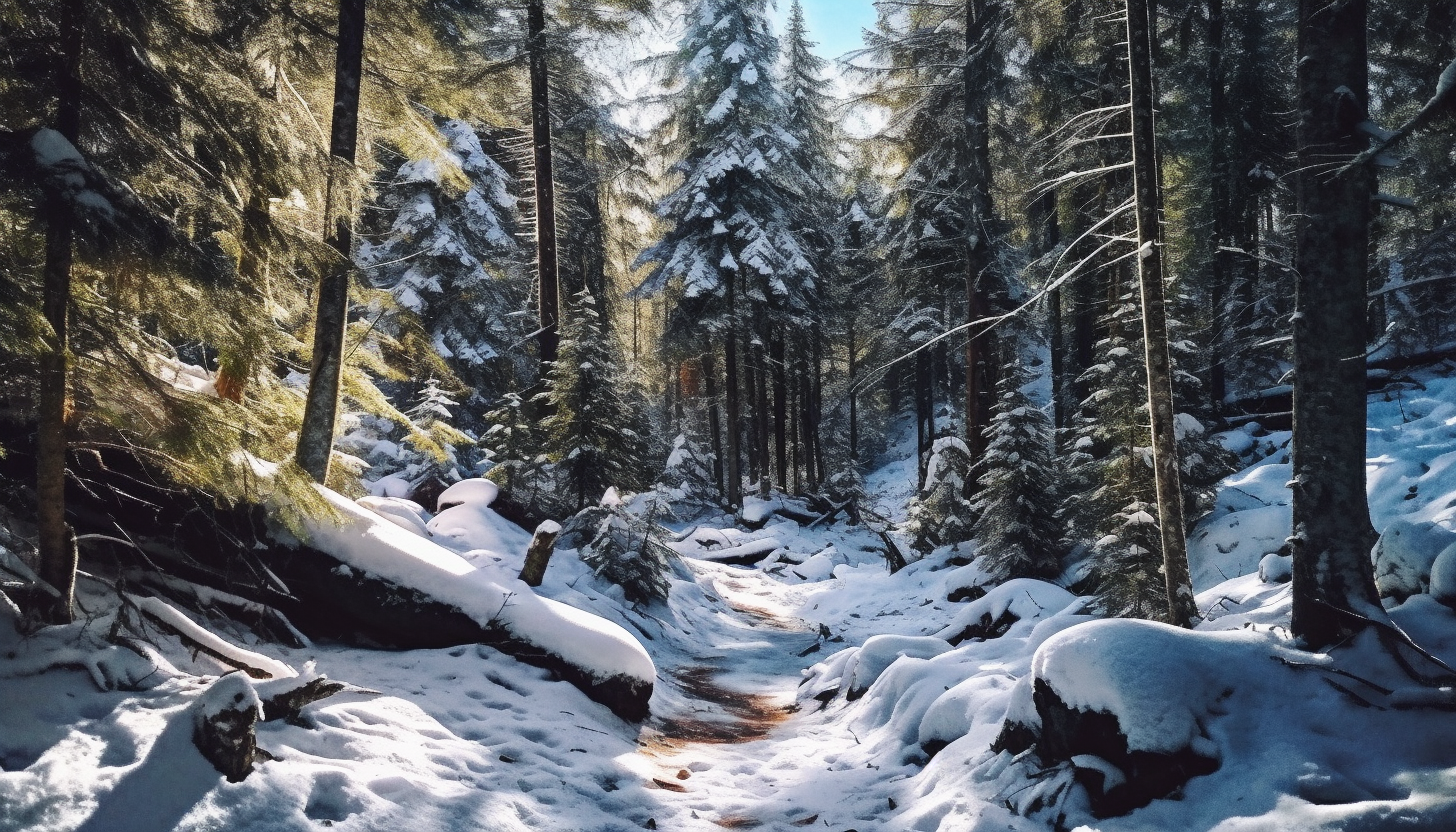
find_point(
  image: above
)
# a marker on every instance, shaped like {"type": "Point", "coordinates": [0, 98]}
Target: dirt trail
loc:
{"type": "Point", "coordinates": [730, 716]}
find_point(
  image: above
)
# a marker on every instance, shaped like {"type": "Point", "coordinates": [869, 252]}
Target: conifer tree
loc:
{"type": "Point", "coordinates": [941, 515]}
{"type": "Point", "coordinates": [447, 253]}
{"type": "Point", "coordinates": [591, 432]}
{"type": "Point", "coordinates": [1016, 525]}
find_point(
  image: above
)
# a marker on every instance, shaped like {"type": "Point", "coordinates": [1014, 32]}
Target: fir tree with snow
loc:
{"type": "Point", "coordinates": [512, 448]}
{"type": "Point", "coordinates": [686, 480]}
{"type": "Point", "coordinates": [448, 254]}
{"type": "Point", "coordinates": [941, 515]}
{"type": "Point", "coordinates": [591, 433]}
{"type": "Point", "coordinates": [1016, 525]}
{"type": "Point", "coordinates": [627, 551]}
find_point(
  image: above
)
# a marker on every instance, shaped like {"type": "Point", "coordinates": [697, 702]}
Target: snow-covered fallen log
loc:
{"type": "Point", "coordinates": [365, 575]}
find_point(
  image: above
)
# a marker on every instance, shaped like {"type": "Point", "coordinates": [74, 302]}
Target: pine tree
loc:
{"type": "Point", "coordinates": [447, 253]}
{"type": "Point", "coordinates": [941, 515]}
{"type": "Point", "coordinates": [590, 432]}
{"type": "Point", "coordinates": [1016, 525]}
{"type": "Point", "coordinates": [513, 445]}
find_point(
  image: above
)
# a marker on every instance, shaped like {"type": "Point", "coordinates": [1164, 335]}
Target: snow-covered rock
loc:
{"type": "Point", "coordinates": [1404, 555]}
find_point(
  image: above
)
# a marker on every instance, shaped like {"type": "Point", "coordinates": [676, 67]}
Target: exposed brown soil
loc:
{"type": "Point", "coordinates": [749, 716]}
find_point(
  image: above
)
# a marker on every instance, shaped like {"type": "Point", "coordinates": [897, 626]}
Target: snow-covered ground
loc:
{"type": "Point", "coordinates": [814, 691]}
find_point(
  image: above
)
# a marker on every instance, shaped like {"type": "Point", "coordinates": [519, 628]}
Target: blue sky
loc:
{"type": "Point", "coordinates": [834, 24]}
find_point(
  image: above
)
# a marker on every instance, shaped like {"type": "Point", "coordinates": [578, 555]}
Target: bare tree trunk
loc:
{"type": "Point", "coordinates": [55, 540]}
{"type": "Point", "coordinates": [715, 429]}
{"type": "Point", "coordinates": [1332, 532]}
{"type": "Point", "coordinates": [547, 269]}
{"type": "Point", "coordinates": [853, 395]}
{"type": "Point", "coordinates": [731, 402]}
{"type": "Point", "coordinates": [316, 434]}
{"type": "Point", "coordinates": [1181, 607]}
{"type": "Point", "coordinates": [980, 348]}
{"type": "Point", "coordinates": [780, 390]}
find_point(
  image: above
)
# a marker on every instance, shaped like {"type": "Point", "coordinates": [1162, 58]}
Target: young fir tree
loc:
{"type": "Point", "coordinates": [1016, 509]}
{"type": "Point", "coordinates": [447, 253]}
{"type": "Point", "coordinates": [1111, 498]}
{"type": "Point", "coordinates": [590, 434]}
{"type": "Point", "coordinates": [941, 515]}
{"type": "Point", "coordinates": [512, 445]}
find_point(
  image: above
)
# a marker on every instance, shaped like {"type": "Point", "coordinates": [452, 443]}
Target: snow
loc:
{"type": "Point", "coordinates": [406, 514]}
{"type": "Point", "coordinates": [1159, 681]}
{"type": "Point", "coordinates": [468, 738]}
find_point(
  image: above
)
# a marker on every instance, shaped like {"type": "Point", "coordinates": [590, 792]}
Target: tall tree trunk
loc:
{"type": "Point", "coordinates": [753, 375]}
{"type": "Point", "coordinates": [316, 434]}
{"type": "Point", "coordinates": [715, 429]}
{"type": "Point", "coordinates": [1219, 185]}
{"type": "Point", "coordinates": [980, 348]}
{"type": "Point", "coordinates": [1332, 532]}
{"type": "Point", "coordinates": [780, 414]}
{"type": "Point", "coordinates": [1181, 608]}
{"type": "Point", "coordinates": [731, 399]}
{"type": "Point", "coordinates": [816, 408]}
{"type": "Point", "coordinates": [54, 537]}
{"type": "Point", "coordinates": [547, 269]}
{"type": "Point", "coordinates": [853, 394]}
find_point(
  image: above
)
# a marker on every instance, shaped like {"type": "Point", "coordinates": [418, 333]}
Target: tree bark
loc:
{"type": "Point", "coordinates": [731, 405]}
{"type": "Point", "coordinates": [316, 434]}
{"type": "Point", "coordinates": [980, 347]}
{"type": "Point", "coordinates": [853, 395]}
{"type": "Point", "coordinates": [715, 429]}
{"type": "Point", "coordinates": [547, 269]}
{"type": "Point", "coordinates": [780, 391]}
{"type": "Point", "coordinates": [1181, 607]}
{"type": "Point", "coordinates": [56, 543]}
{"type": "Point", "coordinates": [1332, 534]}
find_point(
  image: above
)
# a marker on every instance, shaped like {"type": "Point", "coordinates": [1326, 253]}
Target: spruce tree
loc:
{"type": "Point", "coordinates": [1016, 524]}
{"type": "Point", "coordinates": [591, 434]}
{"type": "Point", "coordinates": [446, 250]}
{"type": "Point", "coordinates": [941, 515]}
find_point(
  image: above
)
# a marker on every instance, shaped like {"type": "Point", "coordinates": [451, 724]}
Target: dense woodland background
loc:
{"type": "Point", "coordinates": [411, 242]}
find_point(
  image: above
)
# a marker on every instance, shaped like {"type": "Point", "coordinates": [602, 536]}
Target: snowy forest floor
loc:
{"type": "Point", "coordinates": [740, 736]}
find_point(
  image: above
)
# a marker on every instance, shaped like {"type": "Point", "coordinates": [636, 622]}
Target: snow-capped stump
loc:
{"type": "Point", "coordinates": [879, 652]}
{"type": "Point", "coordinates": [366, 577]}
{"type": "Point", "coordinates": [1404, 556]}
{"type": "Point", "coordinates": [224, 719]}
{"type": "Point", "coordinates": [1126, 703]}
{"type": "Point", "coordinates": [993, 614]}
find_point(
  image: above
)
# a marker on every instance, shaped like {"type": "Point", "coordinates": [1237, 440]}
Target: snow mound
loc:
{"type": "Point", "coordinates": [1018, 598]}
{"type": "Point", "coordinates": [476, 527]}
{"type": "Point", "coordinates": [407, 514]}
{"type": "Point", "coordinates": [473, 492]}
{"type": "Point", "coordinates": [879, 652]}
{"type": "Point", "coordinates": [1404, 556]}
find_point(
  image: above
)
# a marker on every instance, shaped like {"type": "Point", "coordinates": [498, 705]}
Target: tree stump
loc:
{"type": "Point", "coordinates": [223, 726]}
{"type": "Point", "coordinates": [538, 555]}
